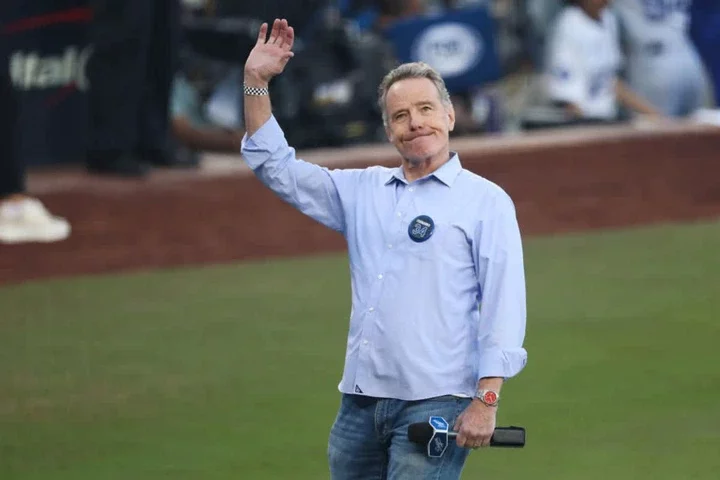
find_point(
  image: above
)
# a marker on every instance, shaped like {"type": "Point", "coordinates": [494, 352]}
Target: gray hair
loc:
{"type": "Point", "coordinates": [411, 70]}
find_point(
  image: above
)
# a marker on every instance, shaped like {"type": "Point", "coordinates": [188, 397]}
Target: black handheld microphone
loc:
{"type": "Point", "coordinates": [435, 434]}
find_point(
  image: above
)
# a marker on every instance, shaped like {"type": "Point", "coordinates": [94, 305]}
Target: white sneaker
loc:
{"type": "Point", "coordinates": [28, 220]}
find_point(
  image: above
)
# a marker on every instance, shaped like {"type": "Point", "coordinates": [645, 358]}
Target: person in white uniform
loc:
{"type": "Point", "coordinates": [583, 64]}
{"type": "Point", "coordinates": [663, 65]}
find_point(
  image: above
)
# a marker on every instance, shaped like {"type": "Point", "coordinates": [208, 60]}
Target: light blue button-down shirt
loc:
{"type": "Point", "coordinates": [415, 327]}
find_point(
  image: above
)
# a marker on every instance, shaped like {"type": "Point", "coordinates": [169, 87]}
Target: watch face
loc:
{"type": "Point", "coordinates": [490, 397]}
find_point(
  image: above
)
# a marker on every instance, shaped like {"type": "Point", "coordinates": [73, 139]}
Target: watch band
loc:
{"type": "Point", "coordinates": [255, 91]}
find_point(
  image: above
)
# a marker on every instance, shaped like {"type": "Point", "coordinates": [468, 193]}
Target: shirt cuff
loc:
{"type": "Point", "coordinates": [502, 363]}
{"type": "Point", "coordinates": [263, 143]}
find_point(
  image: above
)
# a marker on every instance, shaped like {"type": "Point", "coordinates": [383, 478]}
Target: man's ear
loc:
{"type": "Point", "coordinates": [451, 117]}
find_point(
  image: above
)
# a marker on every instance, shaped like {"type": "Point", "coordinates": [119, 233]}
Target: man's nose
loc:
{"type": "Point", "coordinates": [416, 121]}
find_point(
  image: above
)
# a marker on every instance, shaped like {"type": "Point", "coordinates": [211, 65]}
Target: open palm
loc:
{"type": "Point", "coordinates": [270, 55]}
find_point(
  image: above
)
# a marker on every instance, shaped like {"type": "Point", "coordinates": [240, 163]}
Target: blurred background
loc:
{"type": "Point", "coordinates": [125, 86]}
{"type": "Point", "coordinates": [152, 323]}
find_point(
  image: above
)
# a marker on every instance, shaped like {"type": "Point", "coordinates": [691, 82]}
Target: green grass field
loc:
{"type": "Point", "coordinates": [231, 372]}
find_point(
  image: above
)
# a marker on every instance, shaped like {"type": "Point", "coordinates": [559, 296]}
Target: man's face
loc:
{"type": "Point", "coordinates": [418, 122]}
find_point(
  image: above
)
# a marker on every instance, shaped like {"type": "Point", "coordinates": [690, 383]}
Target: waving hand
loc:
{"type": "Point", "coordinates": [270, 55]}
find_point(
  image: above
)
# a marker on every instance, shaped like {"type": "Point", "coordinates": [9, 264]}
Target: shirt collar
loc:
{"type": "Point", "coordinates": [447, 173]}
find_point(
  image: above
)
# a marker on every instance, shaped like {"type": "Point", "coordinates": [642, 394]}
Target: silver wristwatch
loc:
{"type": "Point", "coordinates": [488, 397]}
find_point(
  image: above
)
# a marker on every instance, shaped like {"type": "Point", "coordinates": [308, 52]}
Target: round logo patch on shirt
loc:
{"type": "Point", "coordinates": [421, 228]}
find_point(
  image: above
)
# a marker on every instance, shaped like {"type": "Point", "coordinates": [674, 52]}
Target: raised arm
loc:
{"type": "Point", "coordinates": [266, 60]}
{"type": "Point", "coordinates": [316, 191]}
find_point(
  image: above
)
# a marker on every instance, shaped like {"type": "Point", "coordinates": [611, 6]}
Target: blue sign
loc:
{"type": "Point", "coordinates": [459, 44]}
{"type": "Point", "coordinates": [439, 441]}
{"type": "Point", "coordinates": [705, 33]}
{"type": "Point", "coordinates": [439, 423]}
{"type": "Point", "coordinates": [438, 444]}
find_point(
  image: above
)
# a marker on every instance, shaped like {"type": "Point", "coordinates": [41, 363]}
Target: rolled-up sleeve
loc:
{"type": "Point", "coordinates": [313, 190]}
{"type": "Point", "coordinates": [501, 276]}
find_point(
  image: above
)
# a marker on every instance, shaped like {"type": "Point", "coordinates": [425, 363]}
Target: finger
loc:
{"type": "Point", "coordinates": [282, 33]}
{"type": "Point", "coordinates": [275, 31]}
{"type": "Point", "coordinates": [280, 37]}
{"type": "Point", "coordinates": [461, 441]}
{"type": "Point", "coordinates": [458, 423]}
{"type": "Point", "coordinates": [486, 440]}
{"type": "Point", "coordinates": [262, 34]}
{"type": "Point", "coordinates": [285, 41]}
{"type": "Point", "coordinates": [289, 38]}
{"type": "Point", "coordinates": [471, 442]}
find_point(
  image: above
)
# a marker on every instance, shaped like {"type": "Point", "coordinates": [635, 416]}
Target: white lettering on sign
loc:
{"type": "Point", "coordinates": [33, 71]}
{"type": "Point", "coordinates": [450, 48]}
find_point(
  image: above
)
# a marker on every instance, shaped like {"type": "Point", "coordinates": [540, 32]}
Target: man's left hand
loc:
{"type": "Point", "coordinates": [475, 425]}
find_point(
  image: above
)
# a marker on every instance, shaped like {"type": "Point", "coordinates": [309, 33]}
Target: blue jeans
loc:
{"type": "Point", "coordinates": [368, 440]}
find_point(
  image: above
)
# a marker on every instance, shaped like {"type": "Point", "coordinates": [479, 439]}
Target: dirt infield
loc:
{"type": "Point", "coordinates": [560, 181]}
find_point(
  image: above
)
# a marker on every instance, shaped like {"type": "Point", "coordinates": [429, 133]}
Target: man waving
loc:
{"type": "Point", "coordinates": [427, 242]}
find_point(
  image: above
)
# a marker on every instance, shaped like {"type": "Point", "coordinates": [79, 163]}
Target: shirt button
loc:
{"type": "Point", "coordinates": [372, 309]}
{"type": "Point", "coordinates": [380, 277]}
{"type": "Point", "coordinates": [390, 245]}
{"type": "Point", "coordinates": [399, 214]}
{"type": "Point", "coordinates": [412, 189]}
{"type": "Point", "coordinates": [365, 342]}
